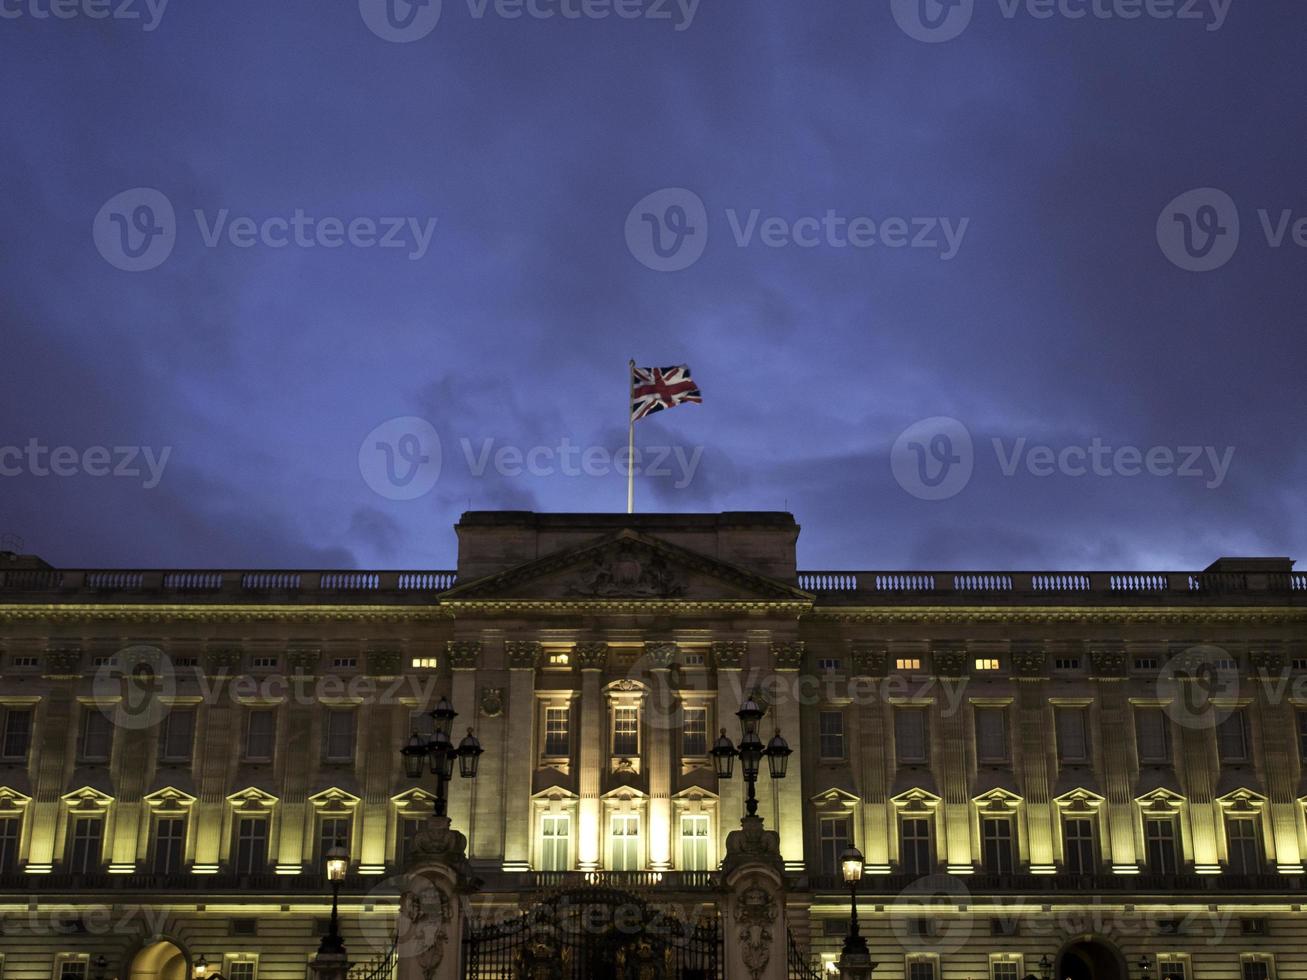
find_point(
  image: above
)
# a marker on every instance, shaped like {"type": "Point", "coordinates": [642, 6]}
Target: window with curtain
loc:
{"type": "Point", "coordinates": [694, 842]}
{"type": "Point", "coordinates": [626, 730]}
{"type": "Point", "coordinates": [557, 735]}
{"type": "Point", "coordinates": [625, 835]}
{"type": "Point", "coordinates": [694, 731]}
{"type": "Point", "coordinates": [332, 830]}
{"type": "Point", "coordinates": [555, 834]}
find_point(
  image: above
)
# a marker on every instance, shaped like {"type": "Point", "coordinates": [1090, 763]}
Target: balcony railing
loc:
{"type": "Point", "coordinates": [1033, 885]}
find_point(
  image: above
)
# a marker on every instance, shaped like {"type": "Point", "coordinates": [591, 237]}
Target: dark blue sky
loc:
{"type": "Point", "coordinates": [1060, 316]}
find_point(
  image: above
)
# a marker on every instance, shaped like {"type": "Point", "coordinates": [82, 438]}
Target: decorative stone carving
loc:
{"type": "Point", "coordinates": [463, 654]}
{"type": "Point", "coordinates": [629, 571]}
{"type": "Point", "coordinates": [1029, 661]}
{"type": "Point", "coordinates": [63, 662]}
{"type": "Point", "coordinates": [949, 659]}
{"type": "Point", "coordinates": [1108, 660]}
{"type": "Point", "coordinates": [492, 701]}
{"type": "Point", "coordinates": [227, 659]}
{"type": "Point", "coordinates": [1266, 658]}
{"type": "Point", "coordinates": [729, 653]}
{"type": "Point", "coordinates": [660, 653]}
{"type": "Point", "coordinates": [755, 915]}
{"type": "Point", "coordinates": [384, 663]}
{"type": "Point", "coordinates": [787, 654]}
{"type": "Point", "coordinates": [590, 655]}
{"type": "Point", "coordinates": [751, 844]}
{"type": "Point", "coordinates": [523, 654]}
{"type": "Point", "coordinates": [426, 912]}
{"type": "Point", "coordinates": [869, 659]}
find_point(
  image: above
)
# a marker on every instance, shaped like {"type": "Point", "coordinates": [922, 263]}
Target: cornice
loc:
{"type": "Point", "coordinates": [967, 615]}
{"type": "Point", "coordinates": [205, 613]}
{"type": "Point", "coordinates": [572, 607]}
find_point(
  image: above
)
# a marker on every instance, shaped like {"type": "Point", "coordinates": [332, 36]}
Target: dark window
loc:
{"type": "Point", "coordinates": [338, 735]}
{"type": "Point", "coordinates": [251, 845]}
{"type": "Point", "coordinates": [260, 733]}
{"type": "Point", "coordinates": [1232, 737]}
{"type": "Point", "coordinates": [95, 737]}
{"type": "Point", "coordinates": [84, 845]}
{"type": "Point", "coordinates": [834, 840]}
{"type": "Point", "coordinates": [1245, 845]}
{"type": "Point", "coordinates": [1302, 737]}
{"type": "Point", "coordinates": [408, 829]}
{"type": "Point", "coordinates": [915, 846]}
{"type": "Point", "coordinates": [1152, 736]}
{"type": "Point", "coordinates": [1072, 734]}
{"type": "Point", "coordinates": [1256, 969]}
{"type": "Point", "coordinates": [9, 831]}
{"type": "Point", "coordinates": [169, 845]}
{"type": "Point", "coordinates": [996, 845]}
{"type": "Point", "coordinates": [72, 971]}
{"type": "Point", "coordinates": [1079, 850]}
{"type": "Point", "coordinates": [831, 731]}
{"type": "Point", "coordinates": [694, 731]}
{"type": "Point", "coordinates": [991, 735]}
{"type": "Point", "coordinates": [921, 970]}
{"type": "Point", "coordinates": [177, 735]}
{"type": "Point", "coordinates": [17, 732]}
{"type": "Point", "coordinates": [332, 831]}
{"type": "Point", "coordinates": [1159, 837]}
{"type": "Point", "coordinates": [910, 735]}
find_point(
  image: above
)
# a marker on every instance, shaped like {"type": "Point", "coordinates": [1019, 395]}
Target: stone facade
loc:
{"type": "Point", "coordinates": [1094, 767]}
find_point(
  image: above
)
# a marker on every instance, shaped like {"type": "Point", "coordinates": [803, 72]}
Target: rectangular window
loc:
{"type": "Point", "coordinates": [338, 735]}
{"type": "Point", "coordinates": [424, 663]}
{"type": "Point", "coordinates": [1079, 849]}
{"type": "Point", "coordinates": [1159, 841]}
{"type": "Point", "coordinates": [17, 733]}
{"type": "Point", "coordinates": [996, 845]}
{"type": "Point", "coordinates": [84, 845]}
{"type": "Point", "coordinates": [988, 663]}
{"type": "Point", "coordinates": [264, 663]}
{"type": "Point", "coordinates": [177, 735]}
{"type": "Point", "coordinates": [406, 830]}
{"type": "Point", "coordinates": [831, 730]}
{"type": "Point", "coordinates": [332, 831]}
{"type": "Point", "coordinates": [169, 845]}
{"type": "Point", "coordinates": [260, 734]}
{"type": "Point", "coordinates": [251, 845]}
{"type": "Point", "coordinates": [829, 665]}
{"type": "Point", "coordinates": [240, 970]}
{"type": "Point", "coordinates": [1302, 737]}
{"type": "Point", "coordinates": [626, 730]}
{"type": "Point", "coordinates": [94, 736]}
{"type": "Point", "coordinates": [1245, 845]}
{"type": "Point", "coordinates": [625, 833]}
{"type": "Point", "coordinates": [921, 970]}
{"type": "Point", "coordinates": [1232, 737]}
{"type": "Point", "coordinates": [557, 738]}
{"type": "Point", "coordinates": [991, 735]}
{"type": "Point", "coordinates": [907, 663]}
{"type": "Point", "coordinates": [910, 736]}
{"type": "Point", "coordinates": [345, 663]}
{"type": "Point", "coordinates": [1072, 734]}
{"type": "Point", "coordinates": [915, 855]}
{"type": "Point", "coordinates": [1005, 970]}
{"type": "Point", "coordinates": [10, 827]}
{"type": "Point", "coordinates": [694, 842]}
{"type": "Point", "coordinates": [72, 970]}
{"type": "Point", "coordinates": [1145, 663]}
{"type": "Point", "coordinates": [1172, 968]}
{"type": "Point", "coordinates": [1152, 736]}
{"type": "Point", "coordinates": [555, 832]}
{"type": "Point", "coordinates": [1066, 663]}
{"type": "Point", "coordinates": [833, 837]}
{"type": "Point", "coordinates": [694, 731]}
{"type": "Point", "coordinates": [1256, 969]}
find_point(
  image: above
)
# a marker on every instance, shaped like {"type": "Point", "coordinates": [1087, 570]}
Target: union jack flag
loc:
{"type": "Point", "coordinates": [653, 389]}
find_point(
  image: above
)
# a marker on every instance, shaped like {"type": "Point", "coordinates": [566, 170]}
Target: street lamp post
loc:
{"type": "Point", "coordinates": [1045, 967]}
{"type": "Point", "coordinates": [337, 864]}
{"type": "Point", "coordinates": [438, 751]}
{"type": "Point", "coordinates": [751, 752]}
{"type": "Point", "coordinates": [855, 959]}
{"type": "Point", "coordinates": [202, 972]}
{"type": "Point", "coordinates": [101, 963]}
{"type": "Point", "coordinates": [1145, 966]}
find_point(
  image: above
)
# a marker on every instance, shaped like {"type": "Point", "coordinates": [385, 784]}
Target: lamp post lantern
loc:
{"type": "Point", "coordinates": [1145, 966]}
{"type": "Point", "coordinates": [751, 752]}
{"type": "Point", "coordinates": [337, 859]}
{"type": "Point", "coordinates": [1045, 967]}
{"type": "Point", "coordinates": [855, 959]}
{"type": "Point", "coordinates": [439, 753]}
{"type": "Point", "coordinates": [202, 971]}
{"type": "Point", "coordinates": [101, 963]}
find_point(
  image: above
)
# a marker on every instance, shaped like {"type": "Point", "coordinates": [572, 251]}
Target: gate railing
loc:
{"type": "Point", "coordinates": [801, 967]}
{"type": "Point", "coordinates": [378, 968]}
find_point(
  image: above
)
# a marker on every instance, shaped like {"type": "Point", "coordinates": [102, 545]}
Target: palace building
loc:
{"type": "Point", "coordinates": [1084, 775]}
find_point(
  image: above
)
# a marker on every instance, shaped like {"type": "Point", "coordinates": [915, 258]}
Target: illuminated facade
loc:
{"type": "Point", "coordinates": [1092, 767]}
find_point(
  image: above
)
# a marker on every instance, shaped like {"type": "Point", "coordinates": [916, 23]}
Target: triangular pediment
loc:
{"type": "Point", "coordinates": [626, 566]}
{"type": "Point", "coordinates": [168, 798]}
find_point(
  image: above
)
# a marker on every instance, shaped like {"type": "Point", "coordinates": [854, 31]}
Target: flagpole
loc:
{"type": "Point", "coordinates": [630, 438]}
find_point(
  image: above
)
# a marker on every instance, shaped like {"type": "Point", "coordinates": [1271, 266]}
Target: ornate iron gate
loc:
{"type": "Point", "coordinates": [590, 932]}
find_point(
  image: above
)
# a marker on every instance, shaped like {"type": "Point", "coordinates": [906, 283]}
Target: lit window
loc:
{"type": "Point", "coordinates": [831, 731]}
{"type": "Point", "coordinates": [555, 854]}
{"type": "Point", "coordinates": [694, 731]}
{"type": "Point", "coordinates": [694, 842]}
{"type": "Point", "coordinates": [424, 663]}
{"type": "Point", "coordinates": [559, 660]}
{"type": "Point", "coordinates": [84, 843]}
{"type": "Point", "coordinates": [626, 730]}
{"type": "Point", "coordinates": [260, 732]}
{"type": "Point", "coordinates": [95, 737]}
{"type": "Point", "coordinates": [169, 845]}
{"type": "Point", "coordinates": [1072, 734]}
{"type": "Point", "coordinates": [251, 845]}
{"type": "Point", "coordinates": [907, 663]}
{"type": "Point", "coordinates": [987, 663]}
{"type": "Point", "coordinates": [625, 835]}
{"type": "Point", "coordinates": [833, 838]}
{"type": "Point", "coordinates": [910, 735]}
{"type": "Point", "coordinates": [557, 739]}
{"type": "Point", "coordinates": [338, 735]}
{"type": "Point", "coordinates": [177, 735]}
{"type": "Point", "coordinates": [991, 735]}
{"type": "Point", "coordinates": [17, 733]}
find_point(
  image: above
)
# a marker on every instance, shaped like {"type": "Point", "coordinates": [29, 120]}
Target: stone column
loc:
{"type": "Point", "coordinates": [464, 656]}
{"type": "Point", "coordinates": [429, 929]}
{"type": "Point", "coordinates": [787, 658]}
{"type": "Point", "coordinates": [728, 658]}
{"type": "Point", "coordinates": [590, 657]}
{"type": "Point", "coordinates": [1115, 727]}
{"type": "Point", "coordinates": [660, 714]}
{"type": "Point", "coordinates": [1275, 724]}
{"type": "Point", "coordinates": [952, 664]}
{"type": "Point", "coordinates": [754, 923]}
{"type": "Point", "coordinates": [523, 656]}
{"type": "Point", "coordinates": [869, 664]}
{"type": "Point", "coordinates": [1030, 669]}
